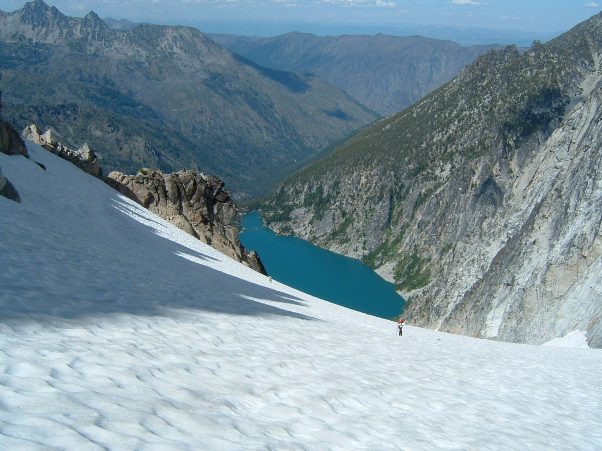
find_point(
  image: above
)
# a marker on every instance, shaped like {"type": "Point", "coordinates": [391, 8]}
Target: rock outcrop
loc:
{"type": "Point", "coordinates": [84, 158]}
{"type": "Point", "coordinates": [10, 141]}
{"type": "Point", "coordinates": [7, 189]}
{"type": "Point", "coordinates": [194, 202]}
{"type": "Point", "coordinates": [10, 144]}
{"type": "Point", "coordinates": [482, 202]}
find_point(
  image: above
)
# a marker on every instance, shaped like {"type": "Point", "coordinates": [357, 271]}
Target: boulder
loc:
{"type": "Point", "coordinates": [33, 134]}
{"type": "Point", "coordinates": [7, 189]}
{"type": "Point", "coordinates": [50, 138]}
{"type": "Point", "coordinates": [86, 153]}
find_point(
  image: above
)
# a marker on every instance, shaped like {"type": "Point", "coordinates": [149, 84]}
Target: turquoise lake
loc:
{"type": "Point", "coordinates": [321, 273]}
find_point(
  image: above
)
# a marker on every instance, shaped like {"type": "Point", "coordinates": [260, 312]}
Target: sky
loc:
{"type": "Point", "coordinates": [538, 16]}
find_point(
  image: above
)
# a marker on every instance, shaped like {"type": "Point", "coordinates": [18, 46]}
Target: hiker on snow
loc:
{"type": "Point", "coordinates": [400, 326]}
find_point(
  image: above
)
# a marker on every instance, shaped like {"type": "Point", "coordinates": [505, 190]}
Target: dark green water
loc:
{"type": "Point", "coordinates": [324, 274]}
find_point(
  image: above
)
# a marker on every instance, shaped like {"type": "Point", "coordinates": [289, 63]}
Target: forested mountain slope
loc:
{"type": "Point", "coordinates": [385, 73]}
{"type": "Point", "coordinates": [166, 97]}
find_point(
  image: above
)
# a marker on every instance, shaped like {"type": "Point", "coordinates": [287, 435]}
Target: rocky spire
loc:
{"type": "Point", "coordinates": [93, 27]}
{"type": "Point", "coordinates": [35, 13]}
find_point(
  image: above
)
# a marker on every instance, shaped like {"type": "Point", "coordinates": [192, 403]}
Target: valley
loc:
{"type": "Point", "coordinates": [167, 98]}
{"type": "Point", "coordinates": [300, 242]}
{"type": "Point", "coordinates": [481, 201]}
{"type": "Point", "coordinates": [385, 73]}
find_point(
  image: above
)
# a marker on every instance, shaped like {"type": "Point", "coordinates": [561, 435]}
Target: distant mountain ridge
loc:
{"type": "Point", "coordinates": [166, 97]}
{"type": "Point", "coordinates": [386, 73]}
{"type": "Point", "coordinates": [120, 24]}
{"type": "Point", "coordinates": [482, 201]}
{"type": "Point", "coordinates": [465, 36]}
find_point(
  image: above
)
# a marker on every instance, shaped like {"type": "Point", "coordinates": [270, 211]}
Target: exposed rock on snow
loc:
{"type": "Point", "coordinates": [7, 189]}
{"type": "Point", "coordinates": [194, 202]}
{"type": "Point", "coordinates": [84, 158]}
{"type": "Point", "coordinates": [10, 141]}
{"type": "Point", "coordinates": [10, 144]}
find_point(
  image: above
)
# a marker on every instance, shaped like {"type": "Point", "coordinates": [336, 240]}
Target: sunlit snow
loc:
{"type": "Point", "coordinates": [119, 331]}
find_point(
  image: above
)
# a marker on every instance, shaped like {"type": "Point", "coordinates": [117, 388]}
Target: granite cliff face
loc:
{"type": "Point", "coordinates": [483, 202]}
{"type": "Point", "coordinates": [194, 202]}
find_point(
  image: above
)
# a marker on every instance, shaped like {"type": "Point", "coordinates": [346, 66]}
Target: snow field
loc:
{"type": "Point", "coordinates": [119, 331]}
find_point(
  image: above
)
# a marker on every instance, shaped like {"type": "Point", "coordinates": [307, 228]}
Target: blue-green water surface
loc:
{"type": "Point", "coordinates": [324, 274]}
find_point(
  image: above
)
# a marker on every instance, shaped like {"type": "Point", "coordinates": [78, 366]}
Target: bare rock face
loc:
{"type": "Point", "coordinates": [10, 141]}
{"type": "Point", "coordinates": [7, 189]}
{"type": "Point", "coordinates": [193, 202]}
{"type": "Point", "coordinates": [10, 144]}
{"type": "Point", "coordinates": [84, 158]}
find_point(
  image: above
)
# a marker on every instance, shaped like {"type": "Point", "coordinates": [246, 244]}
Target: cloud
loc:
{"type": "Point", "coordinates": [465, 2]}
{"type": "Point", "coordinates": [362, 3]}
{"type": "Point", "coordinates": [385, 4]}
{"type": "Point", "coordinates": [592, 5]}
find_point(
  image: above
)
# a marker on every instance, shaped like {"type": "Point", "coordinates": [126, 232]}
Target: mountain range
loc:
{"type": "Point", "coordinates": [166, 97]}
{"type": "Point", "coordinates": [482, 201]}
{"type": "Point", "coordinates": [385, 73]}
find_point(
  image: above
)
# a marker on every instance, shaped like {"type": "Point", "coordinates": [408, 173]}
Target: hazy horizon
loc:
{"type": "Point", "coordinates": [465, 21]}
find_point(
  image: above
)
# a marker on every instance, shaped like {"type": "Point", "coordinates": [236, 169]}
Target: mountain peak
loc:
{"type": "Point", "coordinates": [37, 4]}
{"type": "Point", "coordinates": [92, 16]}
{"type": "Point", "coordinates": [94, 24]}
{"type": "Point", "coordinates": [38, 14]}
{"type": "Point", "coordinates": [35, 7]}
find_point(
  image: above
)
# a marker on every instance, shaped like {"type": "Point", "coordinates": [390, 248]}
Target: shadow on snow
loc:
{"type": "Point", "coordinates": [116, 264]}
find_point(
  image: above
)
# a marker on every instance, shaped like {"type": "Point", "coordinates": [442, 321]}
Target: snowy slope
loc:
{"type": "Point", "coordinates": [119, 331]}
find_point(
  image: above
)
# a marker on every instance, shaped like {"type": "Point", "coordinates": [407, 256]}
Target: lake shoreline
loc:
{"type": "Point", "coordinates": [325, 274]}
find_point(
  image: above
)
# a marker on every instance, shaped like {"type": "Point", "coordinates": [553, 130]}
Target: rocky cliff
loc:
{"type": "Point", "coordinates": [483, 201]}
{"type": "Point", "coordinates": [10, 141]}
{"type": "Point", "coordinates": [10, 144]}
{"type": "Point", "coordinates": [84, 158]}
{"type": "Point", "coordinates": [194, 202]}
